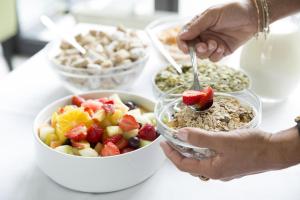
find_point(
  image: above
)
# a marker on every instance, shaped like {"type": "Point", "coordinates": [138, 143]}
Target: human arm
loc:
{"type": "Point", "coordinates": [238, 153]}
{"type": "Point", "coordinates": [221, 29]}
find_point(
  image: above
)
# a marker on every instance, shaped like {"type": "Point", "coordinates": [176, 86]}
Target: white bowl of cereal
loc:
{"type": "Point", "coordinates": [81, 144]}
{"type": "Point", "coordinates": [220, 77]}
{"type": "Point", "coordinates": [228, 112]}
{"type": "Point", "coordinates": [116, 58]}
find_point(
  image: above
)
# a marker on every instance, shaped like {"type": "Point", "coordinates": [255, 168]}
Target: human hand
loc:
{"type": "Point", "coordinates": [238, 153]}
{"type": "Point", "coordinates": [220, 30]}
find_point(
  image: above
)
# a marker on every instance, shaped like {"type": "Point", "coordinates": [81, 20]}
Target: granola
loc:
{"type": "Point", "coordinates": [226, 114]}
{"type": "Point", "coordinates": [220, 77]}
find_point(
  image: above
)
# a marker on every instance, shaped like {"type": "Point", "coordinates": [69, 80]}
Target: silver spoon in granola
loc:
{"type": "Point", "coordinates": [197, 98]}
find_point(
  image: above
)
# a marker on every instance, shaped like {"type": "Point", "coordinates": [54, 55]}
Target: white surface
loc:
{"type": "Point", "coordinates": [115, 173]}
{"type": "Point", "coordinates": [28, 89]}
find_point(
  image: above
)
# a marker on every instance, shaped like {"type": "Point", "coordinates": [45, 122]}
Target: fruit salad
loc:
{"type": "Point", "coordinates": [99, 127]}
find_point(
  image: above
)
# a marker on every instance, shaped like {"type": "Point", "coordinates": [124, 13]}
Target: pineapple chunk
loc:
{"type": "Point", "coordinates": [44, 131]}
{"type": "Point", "coordinates": [150, 118]}
{"type": "Point", "coordinates": [106, 122]}
{"type": "Point", "coordinates": [75, 151]}
{"type": "Point", "coordinates": [99, 115]}
{"type": "Point", "coordinates": [88, 152]}
{"type": "Point", "coordinates": [144, 143]}
{"type": "Point", "coordinates": [113, 130]}
{"type": "Point", "coordinates": [65, 149]}
{"type": "Point", "coordinates": [118, 103]}
{"type": "Point", "coordinates": [54, 119]}
{"type": "Point", "coordinates": [50, 138]}
{"type": "Point", "coordinates": [131, 133]}
{"type": "Point", "coordinates": [116, 117]}
{"type": "Point", "coordinates": [80, 145]}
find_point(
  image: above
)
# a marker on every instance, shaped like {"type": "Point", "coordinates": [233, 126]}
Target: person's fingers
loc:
{"type": "Point", "coordinates": [205, 49]}
{"type": "Point", "coordinates": [196, 26]}
{"type": "Point", "coordinates": [201, 50]}
{"type": "Point", "coordinates": [218, 53]}
{"type": "Point", "coordinates": [186, 164]}
{"type": "Point", "coordinates": [182, 45]}
{"type": "Point", "coordinates": [201, 138]}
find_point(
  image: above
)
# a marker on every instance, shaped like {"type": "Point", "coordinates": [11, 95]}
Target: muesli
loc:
{"type": "Point", "coordinates": [220, 77]}
{"type": "Point", "coordinates": [226, 114]}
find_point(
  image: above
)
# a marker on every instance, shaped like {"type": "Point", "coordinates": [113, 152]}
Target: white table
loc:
{"type": "Point", "coordinates": [32, 86]}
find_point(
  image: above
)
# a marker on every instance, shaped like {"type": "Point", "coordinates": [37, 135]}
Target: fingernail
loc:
{"type": "Point", "coordinates": [211, 46]}
{"type": "Point", "coordinates": [183, 31]}
{"type": "Point", "coordinates": [219, 50]}
{"type": "Point", "coordinates": [182, 135]}
{"type": "Point", "coordinates": [200, 49]}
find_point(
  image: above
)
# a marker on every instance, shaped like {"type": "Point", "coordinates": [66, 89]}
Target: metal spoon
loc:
{"type": "Point", "coordinates": [196, 84]}
{"type": "Point", "coordinates": [53, 27]}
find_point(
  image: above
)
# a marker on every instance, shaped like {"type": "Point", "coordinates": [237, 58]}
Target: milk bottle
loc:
{"type": "Point", "coordinates": [274, 63]}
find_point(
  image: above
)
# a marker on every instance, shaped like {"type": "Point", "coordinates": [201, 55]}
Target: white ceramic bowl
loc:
{"type": "Point", "coordinates": [98, 174]}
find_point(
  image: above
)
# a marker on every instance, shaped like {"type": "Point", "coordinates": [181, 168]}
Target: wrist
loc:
{"type": "Point", "coordinates": [284, 148]}
{"type": "Point", "coordinates": [253, 15]}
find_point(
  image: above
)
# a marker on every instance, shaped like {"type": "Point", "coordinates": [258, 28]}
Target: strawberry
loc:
{"type": "Point", "coordinates": [77, 133]}
{"type": "Point", "coordinates": [192, 97]}
{"type": "Point", "coordinates": [114, 139]}
{"type": "Point", "coordinates": [109, 108]}
{"type": "Point", "coordinates": [122, 143]}
{"type": "Point", "coordinates": [94, 134]}
{"type": "Point", "coordinates": [110, 149]}
{"type": "Point", "coordinates": [126, 150]}
{"type": "Point", "coordinates": [93, 105]}
{"type": "Point", "coordinates": [128, 123]}
{"type": "Point", "coordinates": [207, 100]}
{"type": "Point", "coordinates": [106, 100]}
{"type": "Point", "coordinates": [77, 101]}
{"type": "Point", "coordinates": [147, 132]}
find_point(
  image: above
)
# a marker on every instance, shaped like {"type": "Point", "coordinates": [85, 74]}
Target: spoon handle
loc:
{"type": "Point", "coordinates": [196, 83]}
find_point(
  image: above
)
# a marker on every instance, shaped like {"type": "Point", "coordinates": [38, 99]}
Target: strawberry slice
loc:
{"type": "Point", "coordinates": [128, 123]}
{"type": "Point", "coordinates": [94, 134]}
{"type": "Point", "coordinates": [122, 143]}
{"type": "Point", "coordinates": [206, 101]}
{"type": "Point", "coordinates": [108, 108]}
{"type": "Point", "coordinates": [92, 104]}
{"type": "Point", "coordinates": [77, 101]}
{"type": "Point", "coordinates": [147, 132]}
{"type": "Point", "coordinates": [114, 139]}
{"type": "Point", "coordinates": [77, 133]}
{"type": "Point", "coordinates": [106, 100]}
{"type": "Point", "coordinates": [192, 97]}
{"type": "Point", "coordinates": [110, 149]}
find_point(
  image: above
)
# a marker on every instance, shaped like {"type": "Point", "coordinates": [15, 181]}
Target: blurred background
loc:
{"type": "Point", "coordinates": [22, 35]}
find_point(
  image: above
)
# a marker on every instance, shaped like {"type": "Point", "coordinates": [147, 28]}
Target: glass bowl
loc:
{"type": "Point", "coordinates": [169, 103]}
{"type": "Point", "coordinates": [84, 80]}
{"type": "Point", "coordinates": [158, 92]}
{"type": "Point", "coordinates": [79, 80]}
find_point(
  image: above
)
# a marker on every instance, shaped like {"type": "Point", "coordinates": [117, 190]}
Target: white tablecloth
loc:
{"type": "Point", "coordinates": [32, 86]}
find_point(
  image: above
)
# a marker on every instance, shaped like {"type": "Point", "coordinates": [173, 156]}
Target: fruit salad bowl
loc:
{"type": "Point", "coordinates": [84, 169]}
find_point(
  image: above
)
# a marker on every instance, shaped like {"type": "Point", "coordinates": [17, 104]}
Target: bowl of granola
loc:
{"type": "Point", "coordinates": [228, 112]}
{"type": "Point", "coordinates": [221, 78]}
{"type": "Point", "coordinates": [116, 56]}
